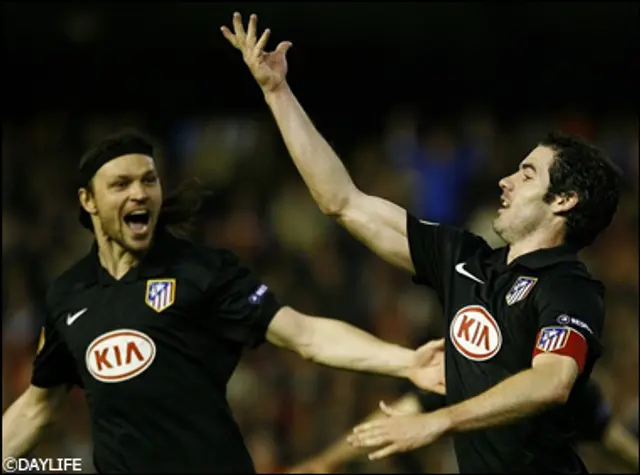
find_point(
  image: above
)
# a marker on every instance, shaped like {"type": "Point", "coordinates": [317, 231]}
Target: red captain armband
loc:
{"type": "Point", "coordinates": [561, 340]}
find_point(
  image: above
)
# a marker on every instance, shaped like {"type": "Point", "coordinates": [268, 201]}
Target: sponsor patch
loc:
{"type": "Point", "coordinates": [565, 319]}
{"type": "Point", "coordinates": [119, 355]}
{"type": "Point", "coordinates": [475, 333]}
{"type": "Point", "coordinates": [520, 289]}
{"type": "Point", "coordinates": [161, 294]}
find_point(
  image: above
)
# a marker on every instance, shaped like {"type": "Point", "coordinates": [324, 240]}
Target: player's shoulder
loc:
{"type": "Point", "coordinates": [467, 241]}
{"type": "Point", "coordinates": [572, 275]}
{"type": "Point", "coordinates": [200, 261]}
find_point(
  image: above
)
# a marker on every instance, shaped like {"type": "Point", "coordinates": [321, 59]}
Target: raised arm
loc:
{"type": "Point", "coordinates": [379, 224]}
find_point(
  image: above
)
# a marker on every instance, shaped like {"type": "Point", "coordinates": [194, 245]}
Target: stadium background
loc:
{"type": "Point", "coordinates": [427, 104]}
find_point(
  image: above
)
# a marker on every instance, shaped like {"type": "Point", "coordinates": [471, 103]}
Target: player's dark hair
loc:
{"type": "Point", "coordinates": [179, 207]}
{"type": "Point", "coordinates": [584, 169]}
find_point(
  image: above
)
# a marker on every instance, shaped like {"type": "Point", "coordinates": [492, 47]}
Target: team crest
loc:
{"type": "Point", "coordinates": [520, 289]}
{"type": "Point", "coordinates": [161, 294]}
{"type": "Point", "coordinates": [553, 338]}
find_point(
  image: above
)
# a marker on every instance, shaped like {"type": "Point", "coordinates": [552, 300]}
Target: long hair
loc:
{"type": "Point", "coordinates": [180, 208]}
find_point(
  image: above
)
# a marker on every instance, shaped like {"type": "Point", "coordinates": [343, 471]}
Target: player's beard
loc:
{"type": "Point", "coordinates": [514, 225]}
{"type": "Point", "coordinates": [116, 230]}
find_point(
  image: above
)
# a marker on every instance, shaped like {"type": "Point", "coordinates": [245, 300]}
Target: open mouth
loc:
{"type": "Point", "coordinates": [138, 221]}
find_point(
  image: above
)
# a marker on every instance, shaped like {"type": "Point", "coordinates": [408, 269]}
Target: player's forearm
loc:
{"type": "Point", "coordinates": [524, 394]}
{"type": "Point", "coordinates": [321, 169]}
{"type": "Point", "coordinates": [22, 429]}
{"type": "Point", "coordinates": [621, 442]}
{"type": "Point", "coordinates": [340, 345]}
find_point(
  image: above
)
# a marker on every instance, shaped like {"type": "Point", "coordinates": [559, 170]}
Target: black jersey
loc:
{"type": "Point", "coordinates": [499, 316]}
{"type": "Point", "coordinates": [154, 352]}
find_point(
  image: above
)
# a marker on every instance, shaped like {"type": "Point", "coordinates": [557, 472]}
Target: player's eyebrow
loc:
{"type": "Point", "coordinates": [529, 166]}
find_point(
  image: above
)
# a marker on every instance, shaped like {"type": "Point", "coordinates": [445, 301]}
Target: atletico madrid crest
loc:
{"type": "Point", "coordinates": [553, 339]}
{"type": "Point", "coordinates": [160, 294]}
{"type": "Point", "coordinates": [520, 289]}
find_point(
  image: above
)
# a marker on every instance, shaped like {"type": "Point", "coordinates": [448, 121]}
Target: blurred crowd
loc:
{"type": "Point", "coordinates": [288, 409]}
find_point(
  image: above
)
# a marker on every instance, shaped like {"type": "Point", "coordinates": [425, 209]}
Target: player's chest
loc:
{"type": "Point", "coordinates": [493, 320]}
{"type": "Point", "coordinates": [117, 330]}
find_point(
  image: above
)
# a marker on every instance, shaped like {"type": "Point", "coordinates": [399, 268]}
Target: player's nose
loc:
{"type": "Point", "coordinates": [138, 192]}
{"type": "Point", "coordinates": [505, 184]}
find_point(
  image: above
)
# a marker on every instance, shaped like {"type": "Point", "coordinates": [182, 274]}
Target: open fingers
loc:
{"type": "Point", "coordinates": [238, 28]}
{"type": "Point", "coordinates": [262, 42]}
{"type": "Point", "coordinates": [226, 32]}
{"type": "Point", "coordinates": [368, 439]}
{"type": "Point", "coordinates": [251, 30]}
{"type": "Point", "coordinates": [385, 452]}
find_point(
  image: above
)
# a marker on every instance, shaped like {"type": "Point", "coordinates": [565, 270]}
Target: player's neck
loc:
{"type": "Point", "coordinates": [116, 260]}
{"type": "Point", "coordinates": [533, 242]}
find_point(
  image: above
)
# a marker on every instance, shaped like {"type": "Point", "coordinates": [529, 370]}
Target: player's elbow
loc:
{"type": "Point", "coordinates": [337, 205]}
{"type": "Point", "coordinates": [557, 374]}
{"type": "Point", "coordinates": [559, 395]}
{"type": "Point", "coordinates": [315, 340]}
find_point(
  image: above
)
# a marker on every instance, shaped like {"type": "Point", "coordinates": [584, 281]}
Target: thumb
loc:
{"type": "Point", "coordinates": [283, 47]}
{"type": "Point", "coordinates": [436, 344]}
{"type": "Point", "coordinates": [389, 411]}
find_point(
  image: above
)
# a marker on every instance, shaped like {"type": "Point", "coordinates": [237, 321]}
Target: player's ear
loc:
{"type": "Point", "coordinates": [87, 200]}
{"type": "Point", "coordinates": [564, 202]}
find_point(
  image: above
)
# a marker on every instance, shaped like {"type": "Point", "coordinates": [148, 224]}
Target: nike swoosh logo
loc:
{"type": "Point", "coordinates": [461, 270]}
{"type": "Point", "coordinates": [75, 316]}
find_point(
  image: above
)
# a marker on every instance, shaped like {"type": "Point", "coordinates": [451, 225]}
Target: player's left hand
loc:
{"type": "Point", "coordinates": [427, 371]}
{"type": "Point", "coordinates": [398, 432]}
{"type": "Point", "coordinates": [268, 68]}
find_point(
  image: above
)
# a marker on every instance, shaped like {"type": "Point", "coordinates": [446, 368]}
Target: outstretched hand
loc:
{"type": "Point", "coordinates": [269, 69]}
{"type": "Point", "coordinates": [428, 367]}
{"type": "Point", "coordinates": [398, 432]}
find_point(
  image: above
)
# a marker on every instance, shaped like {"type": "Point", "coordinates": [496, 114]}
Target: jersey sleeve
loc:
{"type": "Point", "coordinates": [593, 412]}
{"type": "Point", "coordinates": [570, 319]}
{"type": "Point", "coordinates": [53, 365]}
{"type": "Point", "coordinates": [435, 249]}
{"type": "Point", "coordinates": [244, 306]}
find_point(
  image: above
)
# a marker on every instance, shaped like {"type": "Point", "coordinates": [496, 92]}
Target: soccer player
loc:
{"type": "Point", "coordinates": [524, 321]}
{"type": "Point", "coordinates": [152, 326]}
{"type": "Point", "coordinates": [594, 423]}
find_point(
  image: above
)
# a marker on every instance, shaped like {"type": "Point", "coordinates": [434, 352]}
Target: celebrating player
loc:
{"type": "Point", "coordinates": [524, 321]}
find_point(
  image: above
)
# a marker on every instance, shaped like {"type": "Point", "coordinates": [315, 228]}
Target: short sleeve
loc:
{"type": "Point", "coordinates": [435, 249]}
{"type": "Point", "coordinates": [593, 412]}
{"type": "Point", "coordinates": [570, 319]}
{"type": "Point", "coordinates": [53, 365]}
{"type": "Point", "coordinates": [244, 305]}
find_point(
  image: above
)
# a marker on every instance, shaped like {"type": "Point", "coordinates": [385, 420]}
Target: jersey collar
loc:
{"type": "Point", "coordinates": [153, 264]}
{"type": "Point", "coordinates": [537, 259]}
